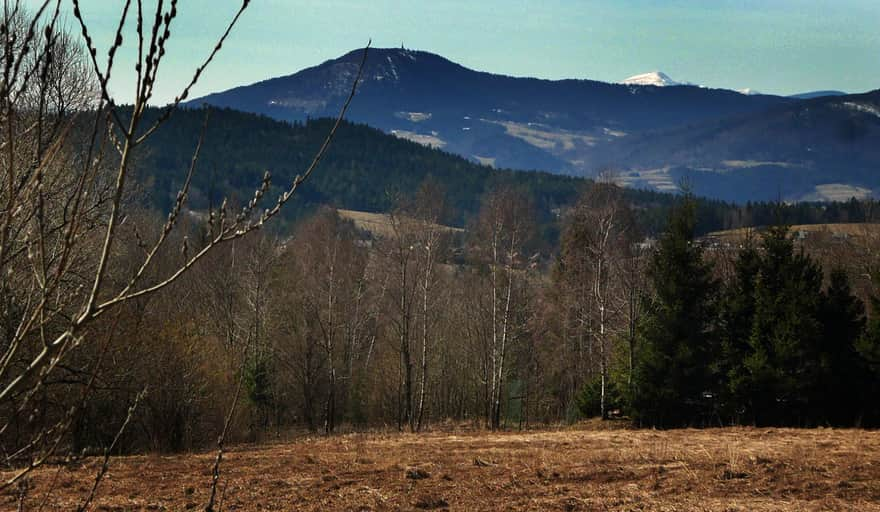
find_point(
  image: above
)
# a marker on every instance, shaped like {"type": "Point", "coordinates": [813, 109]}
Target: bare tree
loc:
{"type": "Point", "coordinates": [430, 236]}
{"type": "Point", "coordinates": [400, 250]}
{"type": "Point", "coordinates": [502, 233]}
{"type": "Point", "coordinates": [606, 223]}
{"type": "Point", "coordinates": [261, 256]}
{"type": "Point", "coordinates": [630, 271]}
{"type": "Point", "coordinates": [66, 172]}
{"type": "Point", "coordinates": [601, 276]}
{"type": "Point", "coordinates": [412, 249]}
{"type": "Point", "coordinates": [332, 267]}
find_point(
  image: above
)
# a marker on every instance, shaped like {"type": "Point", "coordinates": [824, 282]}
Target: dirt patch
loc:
{"type": "Point", "coordinates": [623, 470]}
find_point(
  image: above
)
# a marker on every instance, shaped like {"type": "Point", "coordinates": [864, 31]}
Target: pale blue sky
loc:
{"type": "Point", "coordinates": [774, 46]}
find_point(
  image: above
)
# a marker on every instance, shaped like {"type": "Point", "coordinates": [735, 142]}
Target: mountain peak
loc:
{"type": "Point", "coordinates": [406, 53]}
{"type": "Point", "coordinates": [657, 78]}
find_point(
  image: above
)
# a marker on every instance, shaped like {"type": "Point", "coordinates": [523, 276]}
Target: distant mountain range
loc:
{"type": "Point", "coordinates": [650, 135]}
{"type": "Point", "coordinates": [826, 148]}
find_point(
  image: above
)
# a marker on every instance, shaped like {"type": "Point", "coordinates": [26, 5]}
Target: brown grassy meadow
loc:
{"type": "Point", "coordinates": [735, 469]}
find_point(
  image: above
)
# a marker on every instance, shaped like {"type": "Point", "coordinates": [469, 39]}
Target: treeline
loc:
{"type": "Point", "coordinates": [414, 323]}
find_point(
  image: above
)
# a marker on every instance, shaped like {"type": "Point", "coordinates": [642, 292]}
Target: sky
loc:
{"type": "Point", "coordinates": [773, 46]}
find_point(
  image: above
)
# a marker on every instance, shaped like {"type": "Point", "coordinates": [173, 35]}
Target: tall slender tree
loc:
{"type": "Point", "coordinates": [677, 342]}
{"type": "Point", "coordinates": [595, 240]}
{"type": "Point", "coordinates": [502, 234]}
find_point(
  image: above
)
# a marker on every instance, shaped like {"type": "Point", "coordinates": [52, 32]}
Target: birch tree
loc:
{"type": "Point", "coordinates": [596, 271]}
{"type": "Point", "coordinates": [503, 231]}
{"type": "Point", "coordinates": [606, 222]}
{"type": "Point", "coordinates": [430, 236]}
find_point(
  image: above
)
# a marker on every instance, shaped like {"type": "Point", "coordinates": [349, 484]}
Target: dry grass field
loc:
{"type": "Point", "coordinates": [853, 230]}
{"type": "Point", "coordinates": [738, 469]}
{"type": "Point", "coordinates": [379, 224]}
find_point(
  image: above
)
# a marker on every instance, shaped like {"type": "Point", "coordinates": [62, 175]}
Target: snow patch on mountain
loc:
{"type": "Point", "coordinates": [415, 117]}
{"type": "Point", "coordinates": [862, 107]}
{"type": "Point", "coordinates": [431, 140]}
{"type": "Point", "coordinates": [656, 78]}
{"type": "Point", "coordinates": [393, 68]}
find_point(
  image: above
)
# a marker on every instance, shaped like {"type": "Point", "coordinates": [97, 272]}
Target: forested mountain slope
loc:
{"type": "Point", "coordinates": [365, 169]}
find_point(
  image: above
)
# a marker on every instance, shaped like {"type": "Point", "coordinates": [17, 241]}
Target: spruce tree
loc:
{"type": "Point", "coordinates": [786, 335]}
{"type": "Point", "coordinates": [736, 317]}
{"type": "Point", "coordinates": [868, 348]}
{"type": "Point", "coordinates": [673, 375]}
{"type": "Point", "coordinates": [840, 389]}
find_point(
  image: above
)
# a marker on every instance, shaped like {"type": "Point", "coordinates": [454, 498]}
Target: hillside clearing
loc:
{"type": "Point", "coordinates": [715, 469]}
{"type": "Point", "coordinates": [379, 224]}
{"type": "Point", "coordinates": [855, 229]}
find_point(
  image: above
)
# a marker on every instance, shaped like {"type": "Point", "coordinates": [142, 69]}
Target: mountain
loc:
{"type": "Point", "coordinates": [817, 94]}
{"type": "Point", "coordinates": [827, 148]}
{"type": "Point", "coordinates": [522, 123]}
{"type": "Point", "coordinates": [734, 146]}
{"type": "Point", "coordinates": [656, 78]}
{"type": "Point", "coordinates": [661, 79]}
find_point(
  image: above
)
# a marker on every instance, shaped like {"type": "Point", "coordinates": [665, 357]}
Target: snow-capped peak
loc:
{"type": "Point", "coordinates": [748, 91]}
{"type": "Point", "coordinates": [658, 78]}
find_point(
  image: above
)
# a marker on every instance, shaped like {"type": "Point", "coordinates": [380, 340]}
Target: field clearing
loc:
{"type": "Point", "coordinates": [379, 224]}
{"type": "Point", "coordinates": [735, 469]}
{"type": "Point", "coordinates": [549, 139]}
{"type": "Point", "coordinates": [748, 164]}
{"type": "Point", "coordinates": [660, 179]}
{"type": "Point", "coordinates": [854, 229]}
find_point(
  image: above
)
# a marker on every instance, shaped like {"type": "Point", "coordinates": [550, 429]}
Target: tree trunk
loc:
{"type": "Point", "coordinates": [424, 375]}
{"type": "Point", "coordinates": [505, 330]}
{"type": "Point", "coordinates": [494, 347]}
{"type": "Point", "coordinates": [330, 406]}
